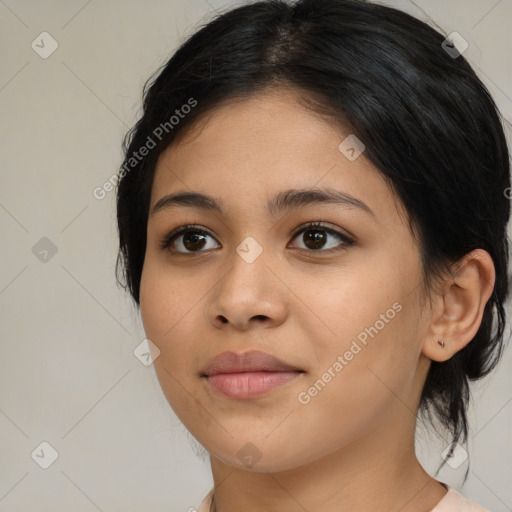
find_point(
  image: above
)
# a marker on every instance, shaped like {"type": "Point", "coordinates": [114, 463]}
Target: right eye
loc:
{"type": "Point", "coordinates": [191, 238]}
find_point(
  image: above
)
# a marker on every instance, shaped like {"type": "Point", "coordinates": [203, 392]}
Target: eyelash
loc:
{"type": "Point", "coordinates": [167, 240]}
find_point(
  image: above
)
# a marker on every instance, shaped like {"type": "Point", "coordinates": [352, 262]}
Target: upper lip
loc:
{"type": "Point", "coordinates": [252, 361]}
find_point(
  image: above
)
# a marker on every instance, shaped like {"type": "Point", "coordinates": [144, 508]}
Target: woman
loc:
{"type": "Point", "coordinates": [312, 217]}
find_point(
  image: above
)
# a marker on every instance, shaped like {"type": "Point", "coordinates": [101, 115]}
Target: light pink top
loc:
{"type": "Point", "coordinates": [452, 502]}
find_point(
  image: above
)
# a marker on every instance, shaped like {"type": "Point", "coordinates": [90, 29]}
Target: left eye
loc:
{"type": "Point", "coordinates": [315, 235]}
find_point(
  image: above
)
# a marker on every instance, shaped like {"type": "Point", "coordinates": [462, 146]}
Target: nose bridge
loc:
{"type": "Point", "coordinates": [248, 289]}
{"type": "Point", "coordinates": [247, 278]}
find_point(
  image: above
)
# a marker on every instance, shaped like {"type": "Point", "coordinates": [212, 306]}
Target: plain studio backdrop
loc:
{"type": "Point", "coordinates": [74, 396]}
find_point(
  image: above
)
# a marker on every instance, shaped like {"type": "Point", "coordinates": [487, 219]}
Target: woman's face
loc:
{"type": "Point", "coordinates": [344, 309]}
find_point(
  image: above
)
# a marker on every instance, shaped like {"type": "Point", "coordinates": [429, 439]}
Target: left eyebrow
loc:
{"type": "Point", "coordinates": [283, 201]}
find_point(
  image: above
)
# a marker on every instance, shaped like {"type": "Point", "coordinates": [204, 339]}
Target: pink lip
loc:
{"type": "Point", "coordinates": [247, 375]}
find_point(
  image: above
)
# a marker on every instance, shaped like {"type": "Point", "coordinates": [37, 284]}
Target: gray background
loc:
{"type": "Point", "coordinates": [68, 374]}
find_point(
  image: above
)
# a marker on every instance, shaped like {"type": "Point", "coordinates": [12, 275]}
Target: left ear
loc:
{"type": "Point", "coordinates": [459, 308]}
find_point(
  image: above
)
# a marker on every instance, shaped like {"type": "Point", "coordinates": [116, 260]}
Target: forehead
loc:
{"type": "Point", "coordinates": [262, 145]}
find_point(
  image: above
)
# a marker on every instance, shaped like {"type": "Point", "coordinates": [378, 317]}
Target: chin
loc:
{"type": "Point", "coordinates": [258, 459]}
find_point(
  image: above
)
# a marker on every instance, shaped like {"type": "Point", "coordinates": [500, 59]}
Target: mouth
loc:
{"type": "Point", "coordinates": [248, 375]}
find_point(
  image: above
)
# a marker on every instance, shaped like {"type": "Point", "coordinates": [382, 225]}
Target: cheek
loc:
{"type": "Point", "coordinates": [373, 305]}
{"type": "Point", "coordinates": [356, 384]}
{"type": "Point", "coordinates": [165, 302]}
{"type": "Point", "coordinates": [167, 313]}
{"type": "Point", "coordinates": [367, 348]}
{"type": "Point", "coordinates": [352, 307]}
{"type": "Point", "coordinates": [172, 308]}
{"type": "Point", "coordinates": [163, 308]}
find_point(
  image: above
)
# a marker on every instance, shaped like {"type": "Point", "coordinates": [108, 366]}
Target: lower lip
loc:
{"type": "Point", "coordinates": [249, 384]}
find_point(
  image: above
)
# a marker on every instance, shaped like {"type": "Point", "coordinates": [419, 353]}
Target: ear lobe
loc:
{"type": "Point", "coordinates": [460, 306]}
{"type": "Point", "coordinates": [438, 349]}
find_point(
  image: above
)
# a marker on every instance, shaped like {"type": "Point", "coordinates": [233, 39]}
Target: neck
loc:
{"type": "Point", "coordinates": [395, 484]}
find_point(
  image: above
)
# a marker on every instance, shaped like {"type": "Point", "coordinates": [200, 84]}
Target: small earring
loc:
{"type": "Point", "coordinates": [441, 342]}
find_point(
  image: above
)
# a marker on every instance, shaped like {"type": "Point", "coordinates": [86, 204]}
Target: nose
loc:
{"type": "Point", "coordinates": [250, 295]}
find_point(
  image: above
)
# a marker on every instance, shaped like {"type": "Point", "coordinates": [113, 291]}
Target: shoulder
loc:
{"type": "Point", "coordinates": [453, 501]}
